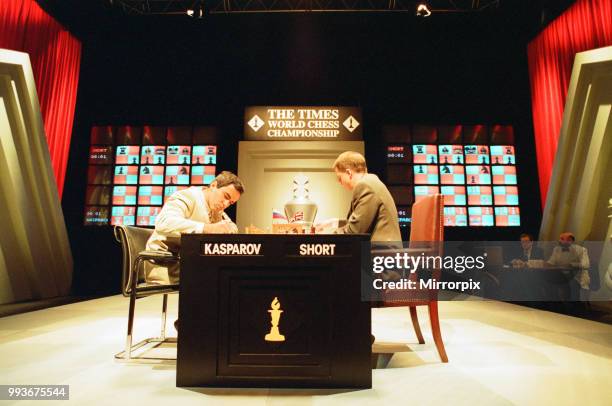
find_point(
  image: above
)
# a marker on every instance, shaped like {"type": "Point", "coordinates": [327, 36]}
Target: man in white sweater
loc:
{"type": "Point", "coordinates": [197, 209]}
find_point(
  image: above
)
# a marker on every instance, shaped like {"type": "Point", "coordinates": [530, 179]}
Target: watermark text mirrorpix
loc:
{"type": "Point", "coordinates": [402, 263]}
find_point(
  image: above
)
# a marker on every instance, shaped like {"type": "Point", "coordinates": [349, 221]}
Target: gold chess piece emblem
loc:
{"type": "Point", "coordinates": [275, 313]}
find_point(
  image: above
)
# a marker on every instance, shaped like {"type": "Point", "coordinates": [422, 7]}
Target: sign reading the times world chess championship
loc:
{"type": "Point", "coordinates": [322, 123]}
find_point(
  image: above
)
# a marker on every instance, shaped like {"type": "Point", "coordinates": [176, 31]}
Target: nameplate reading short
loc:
{"type": "Point", "coordinates": [317, 249]}
{"type": "Point", "coordinates": [235, 249]}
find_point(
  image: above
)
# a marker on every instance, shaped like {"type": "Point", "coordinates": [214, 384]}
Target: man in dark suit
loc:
{"type": "Point", "coordinates": [529, 249]}
{"type": "Point", "coordinates": [372, 208]}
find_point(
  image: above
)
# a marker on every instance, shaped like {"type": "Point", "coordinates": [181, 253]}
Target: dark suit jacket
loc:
{"type": "Point", "coordinates": [536, 253]}
{"type": "Point", "coordinates": [373, 211]}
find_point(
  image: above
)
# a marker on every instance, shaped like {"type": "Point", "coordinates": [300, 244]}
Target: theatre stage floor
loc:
{"type": "Point", "coordinates": [499, 354]}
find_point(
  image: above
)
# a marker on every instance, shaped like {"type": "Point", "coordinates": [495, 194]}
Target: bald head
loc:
{"type": "Point", "coordinates": [566, 239]}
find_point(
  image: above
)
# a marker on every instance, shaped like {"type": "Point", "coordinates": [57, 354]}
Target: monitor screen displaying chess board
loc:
{"type": "Point", "coordinates": [474, 167]}
{"type": "Point", "coordinates": [134, 170]}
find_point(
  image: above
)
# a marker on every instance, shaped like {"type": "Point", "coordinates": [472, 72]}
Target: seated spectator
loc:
{"type": "Point", "coordinates": [528, 251]}
{"type": "Point", "coordinates": [570, 255]}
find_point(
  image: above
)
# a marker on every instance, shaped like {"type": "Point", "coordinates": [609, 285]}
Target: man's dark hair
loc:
{"type": "Point", "coordinates": [526, 235]}
{"type": "Point", "coordinates": [227, 178]}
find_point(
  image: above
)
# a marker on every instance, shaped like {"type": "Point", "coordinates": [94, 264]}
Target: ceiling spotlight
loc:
{"type": "Point", "coordinates": [422, 10]}
{"type": "Point", "coordinates": [196, 13]}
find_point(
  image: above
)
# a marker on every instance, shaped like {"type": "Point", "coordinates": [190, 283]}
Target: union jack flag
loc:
{"type": "Point", "coordinates": [298, 216]}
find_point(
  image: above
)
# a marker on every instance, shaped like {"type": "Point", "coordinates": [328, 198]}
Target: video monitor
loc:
{"type": "Point", "coordinates": [502, 155]}
{"type": "Point", "coordinates": [97, 195]}
{"type": "Point", "coordinates": [400, 134]}
{"type": "Point", "coordinates": [204, 155]}
{"type": "Point", "coordinates": [96, 216]}
{"type": "Point", "coordinates": [506, 195]}
{"type": "Point", "coordinates": [102, 135]}
{"type": "Point", "coordinates": [170, 190]}
{"type": "Point", "coordinates": [151, 195]}
{"type": "Point", "coordinates": [478, 174]}
{"type": "Point", "coordinates": [452, 174]}
{"type": "Point", "coordinates": [450, 134]}
{"type": "Point", "coordinates": [151, 175]}
{"type": "Point", "coordinates": [399, 153]}
{"type": "Point", "coordinates": [101, 155]}
{"type": "Point", "coordinates": [455, 216]}
{"type": "Point", "coordinates": [128, 135]}
{"type": "Point", "coordinates": [178, 154]}
{"type": "Point", "coordinates": [202, 175]}
{"type": "Point", "coordinates": [450, 154]}
{"type": "Point", "coordinates": [475, 171]}
{"type": "Point", "coordinates": [123, 215]}
{"type": "Point", "coordinates": [399, 174]}
{"type": "Point", "coordinates": [425, 174]}
{"type": "Point", "coordinates": [507, 216]}
{"type": "Point", "coordinates": [99, 175]}
{"type": "Point", "coordinates": [424, 154]}
{"type": "Point", "coordinates": [424, 134]}
{"type": "Point", "coordinates": [479, 195]}
{"type": "Point", "coordinates": [177, 175]}
{"type": "Point", "coordinates": [404, 215]}
{"type": "Point", "coordinates": [126, 175]}
{"type": "Point", "coordinates": [481, 216]}
{"type": "Point", "coordinates": [502, 134]}
{"type": "Point", "coordinates": [124, 195]}
{"type": "Point", "coordinates": [504, 175]}
{"type": "Point", "coordinates": [424, 191]}
{"type": "Point", "coordinates": [153, 135]}
{"type": "Point", "coordinates": [153, 155]}
{"type": "Point", "coordinates": [477, 154]}
{"type": "Point", "coordinates": [133, 170]}
{"type": "Point", "coordinates": [476, 134]}
{"type": "Point", "coordinates": [402, 195]}
{"type": "Point", "coordinates": [146, 215]}
{"type": "Point", "coordinates": [454, 195]}
{"type": "Point", "coordinates": [128, 155]}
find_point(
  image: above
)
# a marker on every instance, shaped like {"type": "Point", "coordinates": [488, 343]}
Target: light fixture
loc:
{"type": "Point", "coordinates": [197, 12]}
{"type": "Point", "coordinates": [423, 10]}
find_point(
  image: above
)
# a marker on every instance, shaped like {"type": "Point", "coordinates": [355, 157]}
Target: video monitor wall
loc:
{"type": "Point", "coordinates": [474, 167]}
{"type": "Point", "coordinates": [133, 170]}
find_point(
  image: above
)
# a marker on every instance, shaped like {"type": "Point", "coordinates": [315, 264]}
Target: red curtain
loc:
{"type": "Point", "coordinates": [56, 57]}
{"type": "Point", "coordinates": [586, 25]}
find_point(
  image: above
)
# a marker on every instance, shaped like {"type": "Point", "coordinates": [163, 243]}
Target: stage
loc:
{"type": "Point", "coordinates": [498, 353]}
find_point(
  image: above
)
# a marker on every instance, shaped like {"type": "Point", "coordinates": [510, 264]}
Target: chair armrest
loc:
{"type": "Point", "coordinates": [157, 256]}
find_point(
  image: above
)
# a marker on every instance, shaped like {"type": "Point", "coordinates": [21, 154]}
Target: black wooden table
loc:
{"type": "Point", "coordinates": [273, 311]}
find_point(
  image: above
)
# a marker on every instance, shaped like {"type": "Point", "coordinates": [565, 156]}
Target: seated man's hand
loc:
{"type": "Point", "coordinates": [221, 227]}
{"type": "Point", "coordinates": [233, 227]}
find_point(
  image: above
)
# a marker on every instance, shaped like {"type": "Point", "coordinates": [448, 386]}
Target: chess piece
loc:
{"type": "Point", "coordinates": [275, 313]}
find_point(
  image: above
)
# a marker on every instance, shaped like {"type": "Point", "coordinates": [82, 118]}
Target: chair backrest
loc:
{"type": "Point", "coordinates": [133, 240]}
{"type": "Point", "coordinates": [428, 219]}
{"type": "Point", "coordinates": [427, 234]}
{"type": "Point", "coordinates": [427, 227]}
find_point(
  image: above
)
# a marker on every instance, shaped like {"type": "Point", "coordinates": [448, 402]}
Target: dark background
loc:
{"type": "Point", "coordinates": [175, 70]}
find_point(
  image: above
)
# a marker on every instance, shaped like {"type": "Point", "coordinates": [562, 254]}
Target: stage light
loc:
{"type": "Point", "coordinates": [197, 12]}
{"type": "Point", "coordinates": [423, 10]}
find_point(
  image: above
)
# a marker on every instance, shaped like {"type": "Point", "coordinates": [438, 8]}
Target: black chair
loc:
{"type": "Point", "coordinates": [133, 241]}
